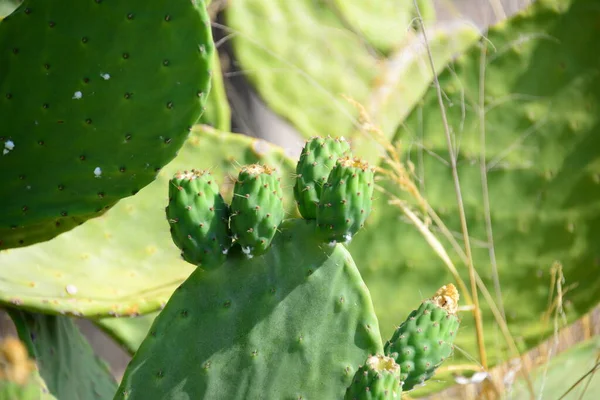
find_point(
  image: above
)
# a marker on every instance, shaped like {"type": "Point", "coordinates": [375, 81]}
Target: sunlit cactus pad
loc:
{"type": "Point", "coordinates": [95, 97]}
{"type": "Point", "coordinates": [542, 107]}
{"type": "Point", "coordinates": [78, 272]}
{"type": "Point", "coordinates": [293, 323]}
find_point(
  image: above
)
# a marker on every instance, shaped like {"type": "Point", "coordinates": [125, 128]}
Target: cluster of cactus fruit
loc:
{"type": "Point", "coordinates": [332, 187]}
{"type": "Point", "coordinates": [333, 191]}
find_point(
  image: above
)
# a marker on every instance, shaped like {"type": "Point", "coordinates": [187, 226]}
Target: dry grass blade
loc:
{"type": "Point", "coordinates": [461, 209]}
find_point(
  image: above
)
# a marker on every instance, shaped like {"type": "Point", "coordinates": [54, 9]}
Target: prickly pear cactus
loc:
{"type": "Point", "coordinates": [378, 379]}
{"type": "Point", "coordinates": [318, 157]}
{"type": "Point", "coordinates": [345, 201]}
{"type": "Point", "coordinates": [75, 273]}
{"type": "Point", "coordinates": [292, 323]}
{"type": "Point", "coordinates": [19, 378]}
{"type": "Point", "coordinates": [91, 111]}
{"type": "Point", "coordinates": [542, 167]}
{"type": "Point", "coordinates": [256, 208]}
{"type": "Point", "coordinates": [65, 359]}
{"type": "Point", "coordinates": [311, 78]}
{"type": "Point", "coordinates": [199, 218]}
{"type": "Point", "coordinates": [424, 341]}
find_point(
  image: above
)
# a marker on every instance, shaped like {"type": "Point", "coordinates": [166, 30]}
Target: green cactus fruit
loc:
{"type": "Point", "coordinates": [256, 208]}
{"type": "Point", "coordinates": [19, 378]}
{"type": "Point", "coordinates": [378, 379]}
{"type": "Point", "coordinates": [95, 98]}
{"type": "Point", "coordinates": [425, 339]}
{"type": "Point", "coordinates": [345, 201]}
{"type": "Point", "coordinates": [316, 161]}
{"type": "Point", "coordinates": [199, 218]}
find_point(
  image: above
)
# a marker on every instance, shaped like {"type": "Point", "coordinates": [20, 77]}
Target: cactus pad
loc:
{"type": "Point", "coordinates": [542, 113]}
{"type": "Point", "coordinates": [424, 340]}
{"type": "Point", "coordinates": [318, 157]}
{"type": "Point", "coordinates": [199, 218]}
{"type": "Point", "coordinates": [256, 208]}
{"type": "Point", "coordinates": [65, 359]}
{"type": "Point", "coordinates": [345, 201]}
{"type": "Point", "coordinates": [76, 272]}
{"type": "Point", "coordinates": [96, 97]}
{"type": "Point", "coordinates": [378, 379]}
{"type": "Point", "coordinates": [303, 80]}
{"type": "Point", "coordinates": [290, 324]}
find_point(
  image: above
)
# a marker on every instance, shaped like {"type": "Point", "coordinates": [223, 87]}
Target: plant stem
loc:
{"type": "Point", "coordinates": [461, 210]}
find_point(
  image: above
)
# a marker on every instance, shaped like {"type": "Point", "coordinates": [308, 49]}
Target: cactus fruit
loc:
{"type": "Point", "coordinates": [378, 379]}
{"type": "Point", "coordinates": [425, 339]}
{"type": "Point", "coordinates": [316, 161]}
{"type": "Point", "coordinates": [256, 208]}
{"type": "Point", "coordinates": [199, 218]}
{"type": "Point", "coordinates": [92, 110]}
{"type": "Point", "coordinates": [345, 201]}
{"type": "Point", "coordinates": [19, 378]}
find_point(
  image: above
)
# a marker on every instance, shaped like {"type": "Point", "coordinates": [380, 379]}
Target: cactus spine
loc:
{"type": "Point", "coordinates": [199, 218]}
{"type": "Point", "coordinates": [425, 339]}
{"type": "Point", "coordinates": [316, 161]}
{"type": "Point", "coordinates": [256, 208]}
{"type": "Point", "coordinates": [345, 200]}
{"type": "Point", "coordinates": [378, 379]}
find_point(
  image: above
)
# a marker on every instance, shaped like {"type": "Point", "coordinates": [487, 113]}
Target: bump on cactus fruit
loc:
{"type": "Point", "coordinates": [378, 379]}
{"type": "Point", "coordinates": [318, 157]}
{"type": "Point", "coordinates": [19, 378]}
{"type": "Point", "coordinates": [199, 218]}
{"type": "Point", "coordinates": [425, 339]}
{"type": "Point", "coordinates": [256, 208]}
{"type": "Point", "coordinates": [95, 98]}
{"type": "Point", "coordinates": [345, 201]}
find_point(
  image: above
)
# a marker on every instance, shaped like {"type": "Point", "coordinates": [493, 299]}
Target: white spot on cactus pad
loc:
{"type": "Point", "coordinates": [5, 151]}
{"type": "Point", "coordinates": [77, 95]}
{"type": "Point", "coordinates": [98, 172]}
{"type": "Point", "coordinates": [105, 76]}
{"type": "Point", "coordinates": [9, 144]}
{"type": "Point", "coordinates": [71, 289]}
{"type": "Point", "coordinates": [332, 243]}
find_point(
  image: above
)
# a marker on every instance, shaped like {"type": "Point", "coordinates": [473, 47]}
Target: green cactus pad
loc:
{"type": "Point", "coordinates": [378, 379]}
{"type": "Point", "coordinates": [96, 97]}
{"type": "Point", "coordinates": [345, 201]}
{"type": "Point", "coordinates": [76, 273]}
{"type": "Point", "coordinates": [384, 23]}
{"type": "Point", "coordinates": [424, 341]}
{"type": "Point", "coordinates": [65, 359]}
{"type": "Point", "coordinates": [304, 81]}
{"type": "Point", "coordinates": [199, 218]}
{"type": "Point", "coordinates": [290, 324]}
{"type": "Point", "coordinates": [19, 377]}
{"type": "Point", "coordinates": [256, 208]}
{"type": "Point", "coordinates": [542, 111]}
{"type": "Point", "coordinates": [318, 157]}
{"type": "Point", "coordinates": [217, 113]}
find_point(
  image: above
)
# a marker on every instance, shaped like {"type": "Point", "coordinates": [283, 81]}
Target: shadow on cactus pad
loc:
{"type": "Point", "coordinates": [96, 97]}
